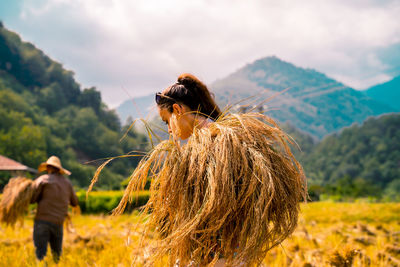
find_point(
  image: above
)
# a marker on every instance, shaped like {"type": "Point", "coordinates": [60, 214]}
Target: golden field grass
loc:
{"type": "Point", "coordinates": [329, 234]}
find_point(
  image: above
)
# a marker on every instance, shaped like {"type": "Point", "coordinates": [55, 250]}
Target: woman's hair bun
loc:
{"type": "Point", "coordinates": [188, 80]}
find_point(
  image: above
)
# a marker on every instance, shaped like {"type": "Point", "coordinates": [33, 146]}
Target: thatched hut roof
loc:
{"type": "Point", "coordinates": [7, 164]}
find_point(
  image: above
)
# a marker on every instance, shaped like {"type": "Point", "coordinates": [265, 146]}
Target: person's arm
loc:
{"type": "Point", "coordinates": [73, 200]}
{"type": "Point", "coordinates": [37, 190]}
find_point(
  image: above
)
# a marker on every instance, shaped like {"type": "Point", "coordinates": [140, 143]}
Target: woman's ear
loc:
{"type": "Point", "coordinates": [177, 109]}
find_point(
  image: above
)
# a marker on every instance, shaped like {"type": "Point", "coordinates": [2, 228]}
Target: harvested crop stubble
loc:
{"type": "Point", "coordinates": [15, 201]}
{"type": "Point", "coordinates": [233, 191]}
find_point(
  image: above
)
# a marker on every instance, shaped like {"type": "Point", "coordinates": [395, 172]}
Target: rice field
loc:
{"type": "Point", "coordinates": [329, 234]}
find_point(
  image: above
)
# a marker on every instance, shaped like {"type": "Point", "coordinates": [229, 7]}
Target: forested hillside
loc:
{"type": "Point", "coordinates": [387, 93]}
{"type": "Point", "coordinates": [313, 102]}
{"type": "Point", "coordinates": [358, 161]}
{"type": "Point", "coordinates": [44, 111]}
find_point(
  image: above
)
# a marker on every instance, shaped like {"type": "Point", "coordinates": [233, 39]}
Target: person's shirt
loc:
{"type": "Point", "coordinates": [53, 193]}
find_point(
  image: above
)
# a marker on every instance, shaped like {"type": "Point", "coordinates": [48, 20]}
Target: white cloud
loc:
{"type": "Point", "coordinates": [143, 45]}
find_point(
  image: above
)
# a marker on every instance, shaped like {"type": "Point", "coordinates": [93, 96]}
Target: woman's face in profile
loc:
{"type": "Point", "coordinates": [179, 121]}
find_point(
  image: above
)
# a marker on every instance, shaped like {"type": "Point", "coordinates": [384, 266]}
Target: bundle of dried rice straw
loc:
{"type": "Point", "coordinates": [15, 201]}
{"type": "Point", "coordinates": [232, 191]}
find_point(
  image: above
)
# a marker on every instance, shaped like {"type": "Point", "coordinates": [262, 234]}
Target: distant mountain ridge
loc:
{"type": "Point", "coordinates": [138, 107]}
{"type": "Point", "coordinates": [387, 93]}
{"type": "Point", "coordinates": [313, 102]}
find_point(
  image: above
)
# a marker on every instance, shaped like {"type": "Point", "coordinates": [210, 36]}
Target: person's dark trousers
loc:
{"type": "Point", "coordinates": [46, 232]}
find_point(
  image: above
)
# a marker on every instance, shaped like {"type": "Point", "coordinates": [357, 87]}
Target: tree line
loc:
{"type": "Point", "coordinates": [358, 161]}
{"type": "Point", "coordinates": [44, 111]}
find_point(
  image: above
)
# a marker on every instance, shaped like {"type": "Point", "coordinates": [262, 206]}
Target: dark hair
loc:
{"type": "Point", "coordinates": [190, 91]}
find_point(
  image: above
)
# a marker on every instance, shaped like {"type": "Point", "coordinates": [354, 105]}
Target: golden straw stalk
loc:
{"type": "Point", "coordinates": [14, 204]}
{"type": "Point", "coordinates": [232, 191]}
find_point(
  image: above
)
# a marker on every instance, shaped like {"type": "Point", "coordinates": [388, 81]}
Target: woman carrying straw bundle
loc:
{"type": "Point", "coordinates": [225, 190]}
{"type": "Point", "coordinates": [53, 192]}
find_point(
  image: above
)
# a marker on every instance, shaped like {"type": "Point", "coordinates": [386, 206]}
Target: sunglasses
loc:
{"type": "Point", "coordinates": [159, 96]}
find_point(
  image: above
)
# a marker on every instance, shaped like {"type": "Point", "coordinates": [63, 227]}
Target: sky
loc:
{"type": "Point", "coordinates": [130, 48]}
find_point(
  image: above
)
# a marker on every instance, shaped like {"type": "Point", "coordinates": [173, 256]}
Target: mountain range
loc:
{"type": "Point", "coordinates": [309, 100]}
{"type": "Point", "coordinates": [44, 111]}
{"type": "Point", "coordinates": [139, 107]}
{"type": "Point", "coordinates": [387, 93]}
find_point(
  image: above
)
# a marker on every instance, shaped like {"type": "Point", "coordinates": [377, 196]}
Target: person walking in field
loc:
{"type": "Point", "coordinates": [224, 190]}
{"type": "Point", "coordinates": [53, 192]}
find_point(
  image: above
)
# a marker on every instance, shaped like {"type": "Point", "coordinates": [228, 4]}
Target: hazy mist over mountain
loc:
{"type": "Point", "coordinates": [387, 93]}
{"type": "Point", "coordinates": [312, 102]}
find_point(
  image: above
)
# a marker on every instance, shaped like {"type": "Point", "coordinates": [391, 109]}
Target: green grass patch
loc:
{"type": "Point", "coordinates": [106, 201]}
